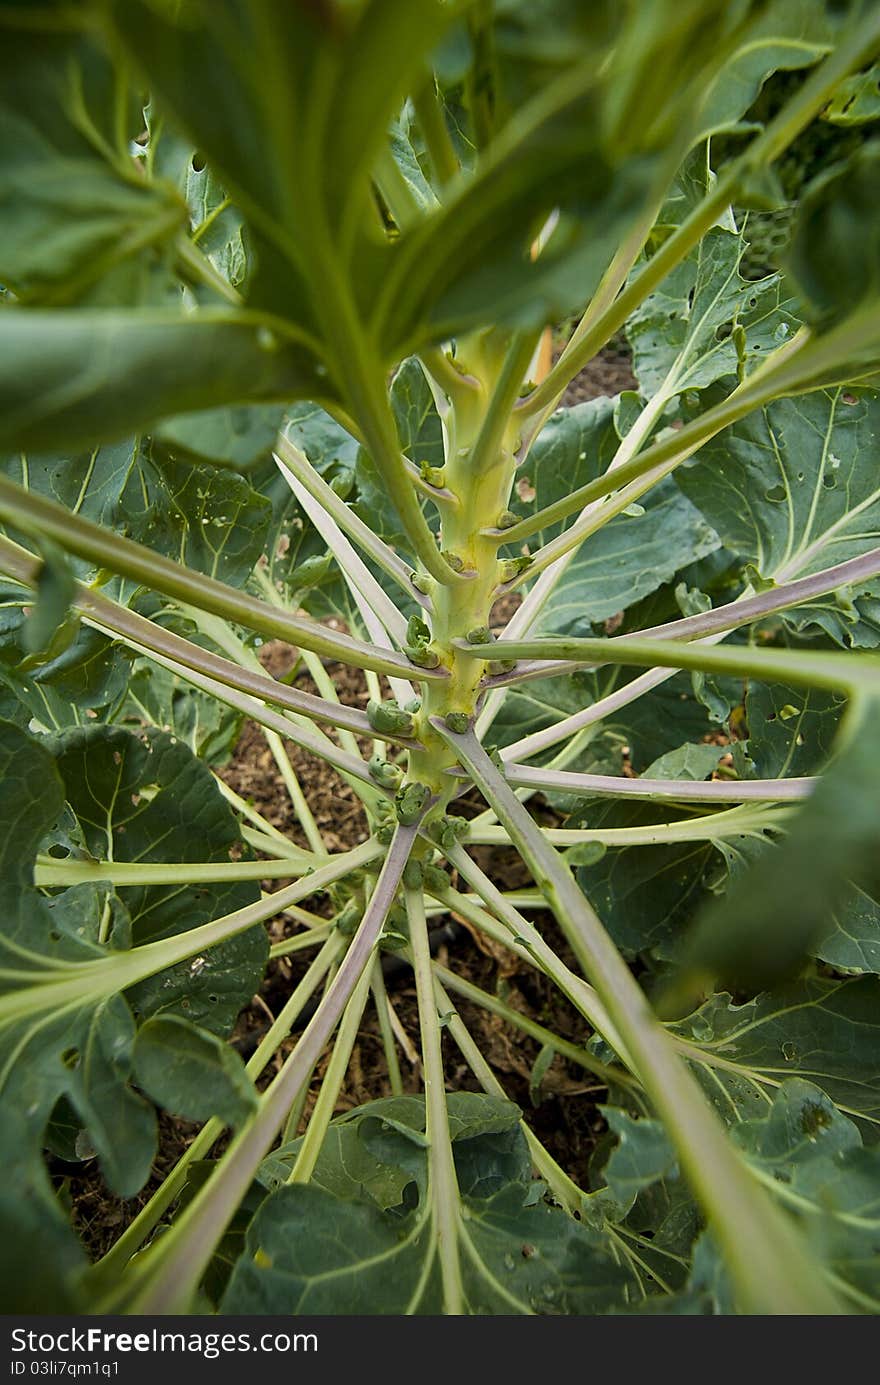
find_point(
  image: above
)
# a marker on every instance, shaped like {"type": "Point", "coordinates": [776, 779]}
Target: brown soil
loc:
{"type": "Point", "coordinates": [564, 1111]}
{"type": "Point", "coordinates": [609, 374]}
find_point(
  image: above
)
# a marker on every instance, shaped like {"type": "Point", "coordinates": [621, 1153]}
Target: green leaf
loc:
{"type": "Point", "coordinates": [158, 698]}
{"type": "Point", "coordinates": [647, 895]}
{"type": "Point", "coordinates": [73, 208]}
{"type": "Point", "coordinates": [378, 1149]}
{"type": "Point", "coordinates": [146, 798]}
{"type": "Point", "coordinates": [784, 35]}
{"type": "Point", "coordinates": [824, 1031]}
{"type": "Point", "coordinates": [370, 1183]}
{"type": "Point", "coordinates": [834, 255]}
{"type": "Point", "coordinates": [32, 1216]}
{"type": "Point", "coordinates": [792, 489]}
{"type": "Point", "coordinates": [773, 917]}
{"type": "Point", "coordinates": [791, 730]}
{"type": "Point", "coordinates": [857, 100]}
{"type": "Point", "coordinates": [81, 1049]}
{"type": "Point", "coordinates": [630, 556]}
{"type": "Point", "coordinates": [88, 677]}
{"type": "Point", "coordinates": [202, 516]}
{"type": "Point", "coordinates": [310, 1252]}
{"type": "Point", "coordinates": [705, 322]}
{"type": "Point", "coordinates": [689, 761]}
{"type": "Point", "coordinates": [191, 1073]}
{"type": "Point", "coordinates": [75, 378]}
{"type": "Point", "coordinates": [817, 1162]}
{"type": "Point", "coordinates": [50, 628]}
{"type": "Point", "coordinates": [232, 436]}
{"type": "Point", "coordinates": [641, 1156]}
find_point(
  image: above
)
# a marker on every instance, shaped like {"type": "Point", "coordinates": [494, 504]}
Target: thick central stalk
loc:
{"type": "Point", "coordinates": [480, 479]}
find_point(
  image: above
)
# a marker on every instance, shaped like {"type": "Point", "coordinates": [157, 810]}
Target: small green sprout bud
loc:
{"type": "Point", "coordinates": [423, 658]}
{"type": "Point", "coordinates": [502, 665]}
{"type": "Point", "coordinates": [410, 802]}
{"type": "Point", "coordinates": [384, 833]}
{"type": "Point", "coordinates": [433, 475]}
{"type": "Point", "coordinates": [509, 568]}
{"type": "Point", "coordinates": [423, 582]}
{"type": "Point", "coordinates": [388, 718]}
{"type": "Point", "coordinates": [481, 635]}
{"type": "Point", "coordinates": [436, 880]}
{"type": "Point", "coordinates": [452, 831]}
{"type": "Point", "coordinates": [341, 485]}
{"type": "Point", "coordinates": [388, 776]}
{"type": "Point", "coordinates": [414, 705]}
{"type": "Point", "coordinates": [418, 639]}
{"type": "Point", "coordinates": [506, 520]}
{"type": "Point", "coordinates": [452, 560]}
{"type": "Point", "coordinates": [418, 634]}
{"type": "Point", "coordinates": [458, 722]}
{"type": "Point", "coordinates": [413, 874]}
{"type": "Point", "coordinates": [349, 918]}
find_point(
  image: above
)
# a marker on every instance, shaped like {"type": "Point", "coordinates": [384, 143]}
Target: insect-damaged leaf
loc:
{"type": "Point", "coordinates": [630, 556]}
{"type": "Point", "coordinates": [792, 489]}
{"type": "Point", "coordinates": [825, 1031]}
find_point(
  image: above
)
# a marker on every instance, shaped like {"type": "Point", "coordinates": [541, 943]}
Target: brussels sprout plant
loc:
{"type": "Point", "coordinates": [277, 284]}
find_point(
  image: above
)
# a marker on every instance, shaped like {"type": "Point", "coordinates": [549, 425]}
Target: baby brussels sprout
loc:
{"type": "Point", "coordinates": [413, 874]}
{"type": "Point", "coordinates": [423, 582]}
{"type": "Point", "coordinates": [349, 918]}
{"type": "Point", "coordinates": [480, 635]}
{"type": "Point", "coordinates": [452, 830]}
{"type": "Point", "coordinates": [436, 880]}
{"type": "Point", "coordinates": [411, 801]}
{"type": "Point", "coordinates": [385, 774]}
{"type": "Point", "coordinates": [388, 718]}
{"type": "Point", "coordinates": [458, 722]}
{"type": "Point", "coordinates": [433, 475]}
{"type": "Point", "coordinates": [418, 641]}
{"type": "Point", "coordinates": [509, 568]}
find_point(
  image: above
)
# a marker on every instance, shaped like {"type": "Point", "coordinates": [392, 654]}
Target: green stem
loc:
{"type": "Point", "coordinates": [44, 519]}
{"type": "Point", "coordinates": [441, 151]}
{"type": "Point", "coordinates": [768, 1262]}
{"type": "Point", "coordinates": [50, 873]}
{"type": "Point", "coordinates": [310, 1149]}
{"type": "Point", "coordinates": [298, 799]}
{"type": "Point", "coordinates": [563, 1188]}
{"type": "Point", "coordinates": [383, 1014]}
{"type": "Point", "coordinates": [166, 1277]}
{"type": "Point", "coordinates": [152, 1212]}
{"type": "Point", "coordinates": [442, 1179]}
{"type": "Point", "coordinates": [317, 933]}
{"type": "Point", "coordinates": [837, 672]}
